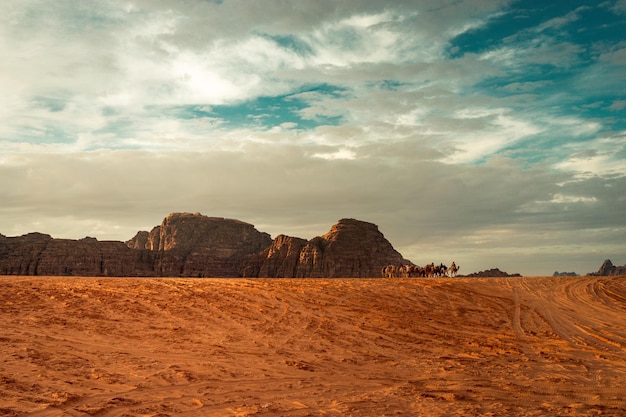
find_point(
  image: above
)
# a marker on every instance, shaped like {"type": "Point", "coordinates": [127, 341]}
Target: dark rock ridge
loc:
{"type": "Point", "coordinates": [564, 274]}
{"type": "Point", "coordinates": [193, 245]}
{"type": "Point", "coordinates": [491, 273]}
{"type": "Point", "coordinates": [608, 269]}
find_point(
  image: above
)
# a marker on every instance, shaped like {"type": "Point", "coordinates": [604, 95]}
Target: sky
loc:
{"type": "Point", "coordinates": [491, 133]}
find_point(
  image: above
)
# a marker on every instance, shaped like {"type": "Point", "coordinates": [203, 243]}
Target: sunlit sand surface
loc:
{"type": "Point", "coordinates": [312, 347]}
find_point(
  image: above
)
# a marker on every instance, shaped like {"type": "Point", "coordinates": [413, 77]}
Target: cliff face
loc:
{"type": "Point", "coordinates": [21, 255]}
{"type": "Point", "coordinates": [39, 254]}
{"type": "Point", "coordinates": [279, 260]}
{"type": "Point", "coordinates": [193, 245]}
{"type": "Point", "coordinates": [351, 248]}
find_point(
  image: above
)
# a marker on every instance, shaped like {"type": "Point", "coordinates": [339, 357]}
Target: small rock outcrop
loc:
{"type": "Point", "coordinates": [139, 241]}
{"type": "Point", "coordinates": [608, 269]}
{"type": "Point", "coordinates": [491, 273]}
{"type": "Point", "coordinates": [564, 274]}
{"type": "Point", "coordinates": [352, 248]}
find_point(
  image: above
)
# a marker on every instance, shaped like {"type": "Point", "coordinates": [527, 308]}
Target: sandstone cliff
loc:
{"type": "Point", "coordinates": [279, 260]}
{"type": "Point", "coordinates": [351, 248]}
{"type": "Point", "coordinates": [193, 245]}
{"type": "Point", "coordinates": [39, 254]}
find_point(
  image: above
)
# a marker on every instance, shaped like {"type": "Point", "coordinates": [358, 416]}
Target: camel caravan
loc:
{"type": "Point", "coordinates": [430, 270]}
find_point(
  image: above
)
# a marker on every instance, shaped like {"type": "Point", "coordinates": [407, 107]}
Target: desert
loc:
{"type": "Point", "coordinates": [523, 346]}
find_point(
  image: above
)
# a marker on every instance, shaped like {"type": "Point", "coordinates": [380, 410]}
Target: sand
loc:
{"type": "Point", "coordinates": [312, 347]}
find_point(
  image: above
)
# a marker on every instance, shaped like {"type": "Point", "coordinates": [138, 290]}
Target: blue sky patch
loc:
{"type": "Point", "coordinates": [51, 104]}
{"type": "Point", "coordinates": [267, 112]}
{"type": "Point", "coordinates": [582, 21]}
{"type": "Point", "coordinates": [291, 43]}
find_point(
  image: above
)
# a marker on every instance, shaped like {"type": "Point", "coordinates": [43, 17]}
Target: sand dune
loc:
{"type": "Point", "coordinates": [377, 347]}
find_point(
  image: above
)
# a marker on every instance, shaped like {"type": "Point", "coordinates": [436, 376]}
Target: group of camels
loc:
{"type": "Point", "coordinates": [430, 270]}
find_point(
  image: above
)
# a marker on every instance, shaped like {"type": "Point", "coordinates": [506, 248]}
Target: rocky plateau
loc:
{"type": "Point", "coordinates": [194, 245]}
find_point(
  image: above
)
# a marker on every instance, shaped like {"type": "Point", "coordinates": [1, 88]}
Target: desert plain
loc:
{"type": "Point", "coordinates": [530, 346]}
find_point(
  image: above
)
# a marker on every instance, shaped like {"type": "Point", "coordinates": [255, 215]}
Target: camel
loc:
{"type": "Point", "coordinates": [453, 269]}
{"type": "Point", "coordinates": [409, 270]}
{"type": "Point", "coordinates": [413, 271]}
{"type": "Point", "coordinates": [405, 270]}
{"type": "Point", "coordinates": [388, 271]}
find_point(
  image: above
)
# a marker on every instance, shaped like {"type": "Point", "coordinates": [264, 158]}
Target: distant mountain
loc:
{"type": "Point", "coordinates": [193, 245]}
{"type": "Point", "coordinates": [608, 269]}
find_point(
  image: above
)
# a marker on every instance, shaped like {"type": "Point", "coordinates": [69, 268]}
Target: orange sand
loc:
{"type": "Point", "coordinates": [312, 347]}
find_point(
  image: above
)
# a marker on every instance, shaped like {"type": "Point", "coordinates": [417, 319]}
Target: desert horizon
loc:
{"type": "Point", "coordinates": [525, 346]}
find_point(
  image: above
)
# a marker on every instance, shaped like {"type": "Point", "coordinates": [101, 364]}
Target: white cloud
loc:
{"type": "Point", "coordinates": [504, 55]}
{"type": "Point", "coordinates": [559, 22]}
{"type": "Point", "coordinates": [601, 157]}
{"type": "Point", "coordinates": [604, 164]}
{"type": "Point", "coordinates": [561, 198]}
{"type": "Point", "coordinates": [499, 128]}
{"type": "Point", "coordinates": [339, 154]}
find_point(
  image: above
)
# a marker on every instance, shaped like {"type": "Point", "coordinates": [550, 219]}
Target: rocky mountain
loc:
{"type": "Point", "coordinates": [491, 273]}
{"type": "Point", "coordinates": [351, 248]}
{"type": "Point", "coordinates": [193, 245]}
{"type": "Point", "coordinates": [608, 269]}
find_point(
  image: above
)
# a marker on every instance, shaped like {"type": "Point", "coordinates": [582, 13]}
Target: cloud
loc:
{"type": "Point", "coordinates": [619, 7]}
{"type": "Point", "coordinates": [560, 21]}
{"type": "Point", "coordinates": [604, 157]}
{"type": "Point", "coordinates": [339, 154]}
{"type": "Point", "coordinates": [618, 105]}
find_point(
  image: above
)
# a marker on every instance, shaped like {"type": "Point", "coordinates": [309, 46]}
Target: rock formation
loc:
{"type": "Point", "coordinates": [351, 248]}
{"type": "Point", "coordinates": [39, 254]}
{"type": "Point", "coordinates": [491, 273]}
{"type": "Point", "coordinates": [564, 274]}
{"type": "Point", "coordinates": [193, 245]}
{"type": "Point", "coordinates": [280, 260]}
{"type": "Point", "coordinates": [608, 269]}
